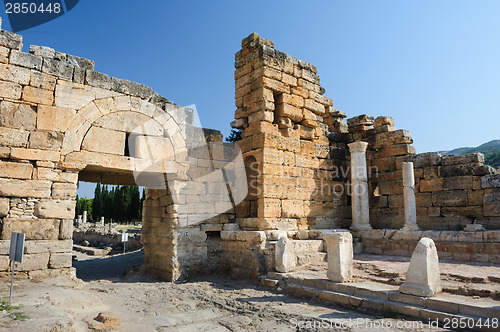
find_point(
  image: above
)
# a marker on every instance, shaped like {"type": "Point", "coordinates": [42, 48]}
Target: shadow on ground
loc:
{"type": "Point", "coordinates": [89, 268]}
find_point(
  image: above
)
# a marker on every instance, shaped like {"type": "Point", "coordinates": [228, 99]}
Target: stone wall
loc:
{"type": "Point", "coordinates": [61, 122]}
{"type": "Point", "coordinates": [451, 191]}
{"type": "Point", "coordinates": [285, 121]}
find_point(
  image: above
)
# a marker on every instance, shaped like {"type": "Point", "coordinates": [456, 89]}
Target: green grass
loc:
{"type": "Point", "coordinates": [19, 316]}
{"type": "Point", "coordinates": [4, 305]}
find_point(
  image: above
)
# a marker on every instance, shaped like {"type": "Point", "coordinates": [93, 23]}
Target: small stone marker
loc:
{"type": "Point", "coordinates": [423, 277]}
{"type": "Point", "coordinates": [284, 255]}
{"type": "Point", "coordinates": [340, 256]}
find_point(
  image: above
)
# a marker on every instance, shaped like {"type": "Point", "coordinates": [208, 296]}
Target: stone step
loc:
{"type": "Point", "coordinates": [91, 251]}
{"type": "Point", "coordinates": [376, 298]}
{"type": "Point", "coordinates": [309, 252]}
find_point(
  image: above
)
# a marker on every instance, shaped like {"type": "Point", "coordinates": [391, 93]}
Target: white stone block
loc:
{"type": "Point", "coordinates": [423, 277]}
{"type": "Point", "coordinates": [284, 255]}
{"type": "Point", "coordinates": [340, 256]}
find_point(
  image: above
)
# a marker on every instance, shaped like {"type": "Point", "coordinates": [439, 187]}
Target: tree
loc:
{"type": "Point", "coordinates": [134, 208]}
{"type": "Point", "coordinates": [234, 136]}
{"type": "Point", "coordinates": [97, 203]}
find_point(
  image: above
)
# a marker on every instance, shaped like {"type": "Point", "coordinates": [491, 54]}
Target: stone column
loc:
{"type": "Point", "coordinates": [359, 178]}
{"type": "Point", "coordinates": [84, 217]}
{"type": "Point", "coordinates": [409, 197]}
{"type": "Point", "coordinates": [102, 221]}
{"type": "Point", "coordinates": [340, 256]}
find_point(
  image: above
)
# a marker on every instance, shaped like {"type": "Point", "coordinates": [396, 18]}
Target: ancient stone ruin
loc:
{"type": "Point", "coordinates": [308, 171]}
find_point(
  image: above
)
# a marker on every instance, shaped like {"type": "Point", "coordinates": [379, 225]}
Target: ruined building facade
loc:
{"type": "Point", "coordinates": [61, 122]}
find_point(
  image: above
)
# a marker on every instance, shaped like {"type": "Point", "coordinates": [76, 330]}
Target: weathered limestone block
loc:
{"type": "Point", "coordinates": [58, 68]}
{"type": "Point", "coordinates": [383, 121]}
{"type": "Point", "coordinates": [15, 74]}
{"type": "Point", "coordinates": [104, 140]}
{"type": "Point", "coordinates": [466, 169]}
{"type": "Point", "coordinates": [340, 256]}
{"type": "Point", "coordinates": [17, 116]}
{"type": "Point", "coordinates": [449, 198]}
{"type": "Point", "coordinates": [15, 170]}
{"type": "Point", "coordinates": [33, 262]}
{"type": "Point", "coordinates": [285, 255]}
{"type": "Point", "coordinates": [38, 96]}
{"type": "Point", "coordinates": [423, 276]}
{"type": "Point", "coordinates": [41, 246]}
{"type": "Point", "coordinates": [27, 60]}
{"type": "Point", "coordinates": [45, 140]}
{"type": "Point", "coordinates": [79, 62]}
{"type": "Point", "coordinates": [466, 159]}
{"type": "Point", "coordinates": [159, 148]}
{"type": "Point", "coordinates": [4, 54]}
{"type": "Point", "coordinates": [43, 51]}
{"type": "Point", "coordinates": [490, 181]}
{"type": "Point", "coordinates": [491, 202]}
{"type": "Point", "coordinates": [13, 137]}
{"type": "Point", "coordinates": [60, 260]}
{"type": "Point", "coordinates": [457, 183]}
{"type": "Point", "coordinates": [25, 188]}
{"type": "Point", "coordinates": [4, 206]}
{"type": "Point", "coordinates": [106, 105]}
{"type": "Point", "coordinates": [42, 80]}
{"type": "Point", "coordinates": [64, 190]}
{"type": "Point", "coordinates": [289, 111]}
{"type": "Point", "coordinates": [55, 209]}
{"type": "Point", "coordinates": [131, 122]}
{"type": "Point", "coordinates": [393, 138]}
{"type": "Point", "coordinates": [4, 262]}
{"type": "Point", "coordinates": [98, 80]}
{"type": "Point", "coordinates": [35, 229]}
{"type": "Point", "coordinates": [131, 88]}
{"type": "Point", "coordinates": [11, 40]}
{"type": "Point", "coordinates": [34, 154]}
{"type": "Point", "coordinates": [74, 96]}
{"type": "Point", "coordinates": [54, 118]}
{"type": "Point", "coordinates": [10, 90]}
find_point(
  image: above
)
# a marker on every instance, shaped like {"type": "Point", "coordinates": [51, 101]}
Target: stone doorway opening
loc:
{"type": "Point", "coordinates": [109, 204]}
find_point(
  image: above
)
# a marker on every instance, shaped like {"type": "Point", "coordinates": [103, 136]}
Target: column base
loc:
{"type": "Point", "coordinates": [411, 227]}
{"type": "Point", "coordinates": [363, 227]}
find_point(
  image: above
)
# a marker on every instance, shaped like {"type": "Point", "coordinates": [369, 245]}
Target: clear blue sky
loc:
{"type": "Point", "coordinates": [432, 65]}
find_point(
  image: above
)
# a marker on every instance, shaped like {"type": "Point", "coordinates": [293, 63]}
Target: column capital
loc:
{"type": "Point", "coordinates": [358, 147]}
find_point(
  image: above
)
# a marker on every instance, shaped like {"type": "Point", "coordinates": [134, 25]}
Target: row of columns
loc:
{"type": "Point", "coordinates": [360, 198]}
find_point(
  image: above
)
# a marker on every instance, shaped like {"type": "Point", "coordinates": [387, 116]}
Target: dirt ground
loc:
{"type": "Point", "coordinates": [212, 303]}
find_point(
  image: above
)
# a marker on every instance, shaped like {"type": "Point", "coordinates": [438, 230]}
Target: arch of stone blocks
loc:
{"type": "Point", "coordinates": [61, 122]}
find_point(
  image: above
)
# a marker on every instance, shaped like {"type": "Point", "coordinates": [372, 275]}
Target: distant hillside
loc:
{"type": "Point", "coordinates": [491, 151]}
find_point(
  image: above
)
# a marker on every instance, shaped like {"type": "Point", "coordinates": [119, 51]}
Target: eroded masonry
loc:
{"type": "Point", "coordinates": [61, 122]}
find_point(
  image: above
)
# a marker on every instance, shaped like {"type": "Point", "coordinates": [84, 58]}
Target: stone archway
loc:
{"type": "Point", "coordinates": [80, 124]}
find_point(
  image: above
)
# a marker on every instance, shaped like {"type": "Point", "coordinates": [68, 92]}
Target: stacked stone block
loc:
{"type": "Point", "coordinates": [285, 120]}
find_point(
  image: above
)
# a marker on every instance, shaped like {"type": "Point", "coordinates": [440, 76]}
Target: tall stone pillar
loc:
{"type": "Point", "coordinates": [84, 217]}
{"type": "Point", "coordinates": [359, 178]}
{"type": "Point", "coordinates": [409, 197]}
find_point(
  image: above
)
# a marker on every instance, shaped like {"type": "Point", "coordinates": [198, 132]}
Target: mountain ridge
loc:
{"type": "Point", "coordinates": [491, 151]}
